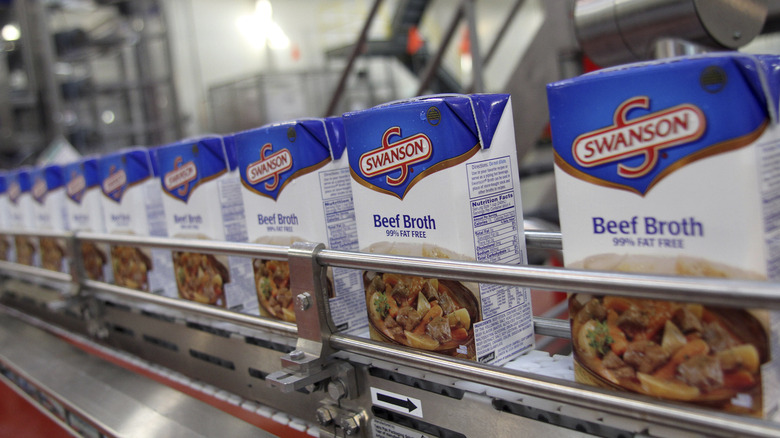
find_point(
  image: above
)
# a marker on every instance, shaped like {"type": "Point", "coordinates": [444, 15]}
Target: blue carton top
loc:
{"type": "Point", "coordinates": [80, 176]}
{"type": "Point", "coordinates": [185, 165]}
{"type": "Point", "coordinates": [393, 146]}
{"type": "Point", "coordinates": [271, 156]}
{"type": "Point", "coordinates": [123, 169]}
{"type": "Point", "coordinates": [629, 127]}
{"type": "Point", "coordinates": [45, 179]}
{"type": "Point", "coordinates": [18, 181]}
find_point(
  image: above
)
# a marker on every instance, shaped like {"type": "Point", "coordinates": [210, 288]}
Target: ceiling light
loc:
{"type": "Point", "coordinates": [10, 32]}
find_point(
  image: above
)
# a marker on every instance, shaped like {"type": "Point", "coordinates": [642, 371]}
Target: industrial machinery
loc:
{"type": "Point", "coordinates": [312, 378]}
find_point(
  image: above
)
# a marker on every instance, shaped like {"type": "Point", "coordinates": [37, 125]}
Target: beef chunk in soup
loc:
{"type": "Point", "coordinates": [702, 371]}
{"type": "Point", "coordinates": [645, 356]}
{"type": "Point", "coordinates": [408, 317]}
{"type": "Point", "coordinates": [439, 329]}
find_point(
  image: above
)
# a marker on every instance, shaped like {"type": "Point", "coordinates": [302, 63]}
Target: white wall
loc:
{"type": "Point", "coordinates": [209, 49]}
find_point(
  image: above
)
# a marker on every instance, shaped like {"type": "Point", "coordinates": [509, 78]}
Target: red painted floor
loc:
{"type": "Point", "coordinates": [19, 418]}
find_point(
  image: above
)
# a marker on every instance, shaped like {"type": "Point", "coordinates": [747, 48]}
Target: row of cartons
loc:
{"type": "Point", "coordinates": [669, 167]}
{"type": "Point", "coordinates": [435, 177]}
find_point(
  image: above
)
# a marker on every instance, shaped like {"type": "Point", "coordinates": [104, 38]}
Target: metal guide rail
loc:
{"type": "Point", "coordinates": [89, 396]}
{"type": "Point", "coordinates": [357, 387]}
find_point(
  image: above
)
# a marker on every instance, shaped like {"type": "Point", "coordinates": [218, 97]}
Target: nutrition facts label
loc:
{"type": "Point", "coordinates": [495, 229]}
{"type": "Point", "coordinates": [497, 240]}
{"type": "Point", "coordinates": [339, 210]}
{"type": "Point", "coordinates": [161, 279]}
{"type": "Point", "coordinates": [240, 293]}
{"type": "Point", "coordinates": [769, 161]}
{"type": "Point", "coordinates": [232, 209]}
{"type": "Point", "coordinates": [342, 235]}
{"type": "Point", "coordinates": [493, 210]}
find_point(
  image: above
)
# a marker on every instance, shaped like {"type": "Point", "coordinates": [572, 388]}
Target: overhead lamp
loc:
{"type": "Point", "coordinates": [260, 28]}
{"type": "Point", "coordinates": [108, 117]}
{"type": "Point", "coordinates": [10, 32]}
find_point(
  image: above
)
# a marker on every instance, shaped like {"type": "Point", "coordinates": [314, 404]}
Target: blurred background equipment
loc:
{"type": "Point", "coordinates": [614, 32]}
{"type": "Point", "coordinates": [98, 74]}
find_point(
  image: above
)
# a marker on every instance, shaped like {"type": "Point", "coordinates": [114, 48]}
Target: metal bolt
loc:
{"type": "Point", "coordinates": [297, 355]}
{"type": "Point", "coordinates": [337, 389]}
{"type": "Point", "coordinates": [324, 416]}
{"type": "Point", "coordinates": [737, 34]}
{"type": "Point", "coordinates": [304, 301]}
{"type": "Point", "coordinates": [350, 425]}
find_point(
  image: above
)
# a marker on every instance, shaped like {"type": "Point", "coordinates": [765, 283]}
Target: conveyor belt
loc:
{"type": "Point", "coordinates": [113, 400]}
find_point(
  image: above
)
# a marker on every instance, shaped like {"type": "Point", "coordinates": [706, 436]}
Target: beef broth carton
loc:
{"type": "Point", "coordinates": [49, 214]}
{"type": "Point", "coordinates": [672, 167]}
{"type": "Point", "coordinates": [437, 177]}
{"type": "Point", "coordinates": [6, 241]}
{"type": "Point", "coordinates": [84, 206]}
{"type": "Point", "coordinates": [21, 216]}
{"type": "Point", "coordinates": [295, 179]}
{"type": "Point", "coordinates": [202, 200]}
{"type": "Point", "coordinates": [132, 205]}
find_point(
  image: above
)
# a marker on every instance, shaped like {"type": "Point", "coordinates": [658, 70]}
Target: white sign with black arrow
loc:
{"type": "Point", "coordinates": [396, 402]}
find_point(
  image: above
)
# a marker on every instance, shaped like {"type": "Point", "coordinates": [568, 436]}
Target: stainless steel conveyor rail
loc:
{"type": "Point", "coordinates": [90, 396]}
{"type": "Point", "coordinates": [643, 410]}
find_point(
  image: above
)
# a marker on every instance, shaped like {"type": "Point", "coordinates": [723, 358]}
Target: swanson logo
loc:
{"type": "Point", "coordinates": [643, 136]}
{"type": "Point", "coordinates": [269, 167]}
{"type": "Point", "coordinates": [180, 177]}
{"type": "Point", "coordinates": [76, 186]}
{"type": "Point", "coordinates": [116, 180]}
{"type": "Point", "coordinates": [39, 189]}
{"type": "Point", "coordinates": [14, 191]}
{"type": "Point", "coordinates": [396, 156]}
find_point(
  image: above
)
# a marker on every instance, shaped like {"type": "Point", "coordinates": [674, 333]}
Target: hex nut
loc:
{"type": "Point", "coordinates": [350, 425]}
{"type": "Point", "coordinates": [304, 301]}
{"type": "Point", "coordinates": [336, 389]}
{"type": "Point", "coordinates": [324, 416]}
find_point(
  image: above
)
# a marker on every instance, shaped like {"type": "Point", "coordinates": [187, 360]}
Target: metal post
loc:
{"type": "Point", "coordinates": [45, 58]}
{"type": "Point", "coordinates": [153, 122]}
{"type": "Point", "coordinates": [477, 81]}
{"type": "Point", "coordinates": [310, 362]}
{"type": "Point", "coordinates": [6, 108]}
{"type": "Point", "coordinates": [355, 52]}
{"type": "Point", "coordinates": [168, 57]}
{"type": "Point", "coordinates": [433, 64]}
{"type": "Point", "coordinates": [502, 31]}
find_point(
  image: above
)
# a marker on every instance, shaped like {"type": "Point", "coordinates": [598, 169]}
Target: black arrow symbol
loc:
{"type": "Point", "coordinates": [408, 404]}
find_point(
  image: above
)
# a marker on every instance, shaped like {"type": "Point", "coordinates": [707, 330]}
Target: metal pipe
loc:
{"type": "Point", "coordinates": [558, 328]}
{"type": "Point", "coordinates": [543, 239]}
{"type": "Point", "coordinates": [502, 31]}
{"type": "Point", "coordinates": [168, 60]}
{"type": "Point", "coordinates": [273, 252]}
{"type": "Point", "coordinates": [267, 324]}
{"type": "Point", "coordinates": [334, 101]}
{"type": "Point", "coordinates": [477, 82]}
{"type": "Point", "coordinates": [45, 57]}
{"type": "Point", "coordinates": [433, 64]}
{"type": "Point", "coordinates": [617, 31]}
{"type": "Point", "coordinates": [623, 404]}
{"type": "Point", "coordinates": [711, 291]}
{"type": "Point", "coordinates": [32, 272]}
{"type": "Point", "coordinates": [534, 239]}
{"type": "Point", "coordinates": [40, 233]}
